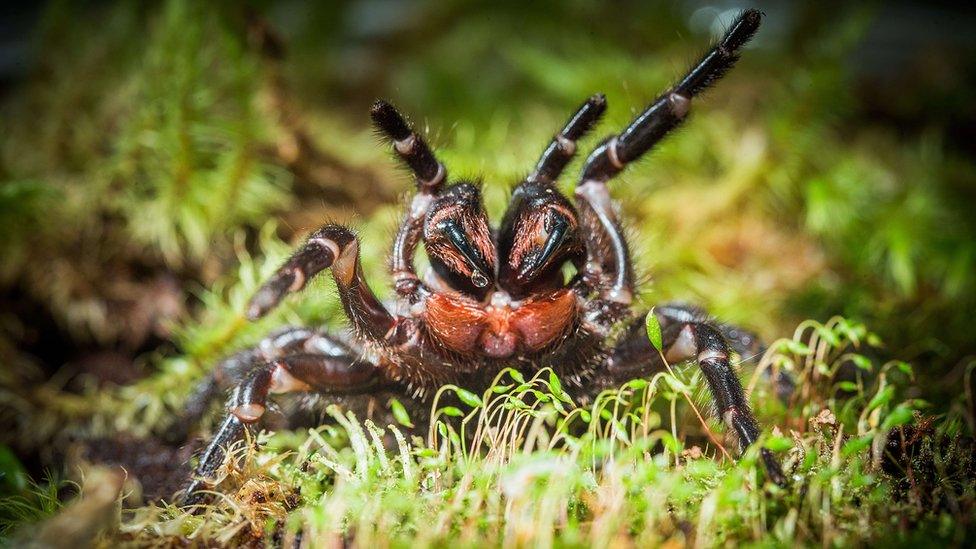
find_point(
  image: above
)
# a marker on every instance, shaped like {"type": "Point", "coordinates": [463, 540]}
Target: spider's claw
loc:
{"type": "Point", "coordinates": [480, 269]}
{"type": "Point", "coordinates": [557, 235]}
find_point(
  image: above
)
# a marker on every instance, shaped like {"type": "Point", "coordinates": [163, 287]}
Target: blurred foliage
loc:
{"type": "Point", "coordinates": [144, 158]}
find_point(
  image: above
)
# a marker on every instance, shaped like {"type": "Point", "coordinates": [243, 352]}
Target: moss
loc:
{"type": "Point", "coordinates": [521, 464]}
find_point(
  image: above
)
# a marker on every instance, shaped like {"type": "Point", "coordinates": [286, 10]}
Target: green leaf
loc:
{"type": "Point", "coordinates": [400, 413]}
{"type": "Point", "coordinates": [848, 386]}
{"type": "Point", "coordinates": [653, 330]}
{"type": "Point", "coordinates": [555, 384]}
{"type": "Point", "coordinates": [829, 336]}
{"type": "Point", "coordinates": [12, 472]}
{"type": "Point", "coordinates": [901, 415]}
{"type": "Point", "coordinates": [637, 383]}
{"type": "Point", "coordinates": [468, 397]}
{"type": "Point", "coordinates": [558, 406]}
{"type": "Point", "coordinates": [779, 444]}
{"type": "Point", "coordinates": [861, 362]}
{"type": "Point", "coordinates": [797, 347]}
{"type": "Point", "coordinates": [671, 443]}
{"type": "Point", "coordinates": [451, 411]}
{"type": "Point", "coordinates": [557, 388]}
{"type": "Point", "coordinates": [855, 445]}
{"type": "Point", "coordinates": [883, 397]}
{"type": "Point", "coordinates": [516, 402]}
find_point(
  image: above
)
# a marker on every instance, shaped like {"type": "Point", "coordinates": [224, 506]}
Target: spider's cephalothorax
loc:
{"type": "Point", "coordinates": [495, 298]}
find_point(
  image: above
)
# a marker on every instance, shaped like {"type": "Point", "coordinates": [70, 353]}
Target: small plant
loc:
{"type": "Point", "coordinates": [521, 464]}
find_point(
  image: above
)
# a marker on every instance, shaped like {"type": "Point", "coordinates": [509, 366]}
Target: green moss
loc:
{"type": "Point", "coordinates": [499, 471]}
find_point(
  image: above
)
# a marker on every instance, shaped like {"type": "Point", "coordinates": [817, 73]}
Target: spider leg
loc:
{"type": "Point", "coordinates": [702, 340]}
{"type": "Point", "coordinates": [430, 175]}
{"type": "Point", "coordinates": [234, 368]}
{"type": "Point", "coordinates": [537, 209]}
{"type": "Point", "coordinates": [747, 344]}
{"type": "Point", "coordinates": [304, 372]}
{"type": "Point", "coordinates": [336, 247]}
{"type": "Point", "coordinates": [608, 253]}
{"type": "Point", "coordinates": [671, 107]}
{"type": "Point", "coordinates": [409, 146]}
{"type": "Point", "coordinates": [563, 147]}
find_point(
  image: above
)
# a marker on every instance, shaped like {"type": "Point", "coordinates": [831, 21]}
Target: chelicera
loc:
{"type": "Point", "coordinates": [495, 298]}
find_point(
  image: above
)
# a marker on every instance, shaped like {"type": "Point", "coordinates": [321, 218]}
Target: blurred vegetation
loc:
{"type": "Point", "coordinates": [159, 158]}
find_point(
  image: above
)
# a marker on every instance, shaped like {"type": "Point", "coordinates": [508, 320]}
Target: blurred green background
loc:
{"type": "Point", "coordinates": [146, 147]}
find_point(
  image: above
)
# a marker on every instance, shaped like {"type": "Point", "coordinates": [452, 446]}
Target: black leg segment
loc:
{"type": "Point", "coordinates": [336, 247]}
{"type": "Point", "coordinates": [686, 335]}
{"type": "Point", "coordinates": [247, 404]}
{"type": "Point", "coordinates": [409, 146]}
{"type": "Point", "coordinates": [704, 342]}
{"type": "Point", "coordinates": [430, 175]}
{"type": "Point", "coordinates": [563, 147]}
{"type": "Point", "coordinates": [608, 264]}
{"type": "Point", "coordinates": [669, 109]}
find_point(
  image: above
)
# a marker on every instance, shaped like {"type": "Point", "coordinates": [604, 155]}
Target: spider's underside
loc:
{"type": "Point", "coordinates": [494, 298]}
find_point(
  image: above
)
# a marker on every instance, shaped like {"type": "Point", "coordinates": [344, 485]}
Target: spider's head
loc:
{"type": "Point", "coordinates": [458, 240]}
{"type": "Point", "coordinates": [538, 235]}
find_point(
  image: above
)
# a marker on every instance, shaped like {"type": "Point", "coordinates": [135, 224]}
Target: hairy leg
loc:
{"type": "Point", "coordinates": [691, 337]}
{"type": "Point", "coordinates": [336, 247]}
{"type": "Point", "coordinates": [430, 175]}
{"type": "Point", "coordinates": [563, 147]}
{"type": "Point", "coordinates": [247, 404]}
{"type": "Point", "coordinates": [234, 368]}
{"type": "Point", "coordinates": [747, 344]}
{"type": "Point", "coordinates": [608, 264]}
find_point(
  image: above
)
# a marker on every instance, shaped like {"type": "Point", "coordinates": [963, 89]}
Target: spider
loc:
{"type": "Point", "coordinates": [494, 297]}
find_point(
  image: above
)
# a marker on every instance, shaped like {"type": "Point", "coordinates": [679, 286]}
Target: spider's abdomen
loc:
{"type": "Point", "coordinates": [501, 327]}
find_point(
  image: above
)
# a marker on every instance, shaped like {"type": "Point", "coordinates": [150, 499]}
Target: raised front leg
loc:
{"type": "Point", "coordinates": [336, 247]}
{"type": "Point", "coordinates": [608, 264]}
{"type": "Point", "coordinates": [430, 175]}
{"type": "Point", "coordinates": [563, 147]}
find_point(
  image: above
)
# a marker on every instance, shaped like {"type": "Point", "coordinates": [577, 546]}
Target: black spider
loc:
{"type": "Point", "coordinates": [494, 297]}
